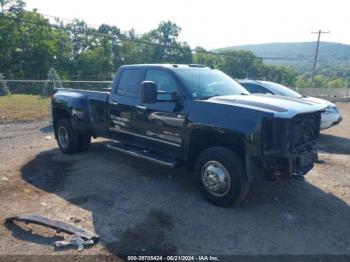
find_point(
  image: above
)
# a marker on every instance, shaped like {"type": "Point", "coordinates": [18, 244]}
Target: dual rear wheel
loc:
{"type": "Point", "coordinates": [69, 141]}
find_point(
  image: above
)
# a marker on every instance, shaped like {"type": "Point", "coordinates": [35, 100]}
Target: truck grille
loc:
{"type": "Point", "coordinates": [288, 134]}
{"type": "Point", "coordinates": [304, 128]}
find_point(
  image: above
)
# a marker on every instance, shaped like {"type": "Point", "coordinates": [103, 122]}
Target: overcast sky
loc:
{"type": "Point", "coordinates": [215, 23]}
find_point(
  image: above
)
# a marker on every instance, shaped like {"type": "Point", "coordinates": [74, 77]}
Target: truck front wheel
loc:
{"type": "Point", "coordinates": [67, 138]}
{"type": "Point", "coordinates": [220, 176]}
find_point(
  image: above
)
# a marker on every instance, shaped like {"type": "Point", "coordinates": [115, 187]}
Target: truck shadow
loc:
{"type": "Point", "coordinates": [140, 208]}
{"type": "Point", "coordinates": [334, 144]}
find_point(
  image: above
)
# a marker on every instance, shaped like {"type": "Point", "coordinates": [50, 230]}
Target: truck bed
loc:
{"type": "Point", "coordinates": [89, 108]}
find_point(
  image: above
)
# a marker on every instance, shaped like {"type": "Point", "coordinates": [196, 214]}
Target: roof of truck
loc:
{"type": "Point", "coordinates": [172, 66]}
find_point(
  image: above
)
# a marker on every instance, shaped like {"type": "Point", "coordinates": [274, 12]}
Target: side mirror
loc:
{"type": "Point", "coordinates": [175, 96]}
{"type": "Point", "coordinates": [148, 92]}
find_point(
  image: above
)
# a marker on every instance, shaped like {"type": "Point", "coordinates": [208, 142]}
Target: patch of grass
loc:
{"type": "Point", "coordinates": [23, 108]}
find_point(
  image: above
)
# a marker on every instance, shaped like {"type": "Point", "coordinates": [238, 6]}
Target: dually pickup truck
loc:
{"type": "Point", "coordinates": [195, 116]}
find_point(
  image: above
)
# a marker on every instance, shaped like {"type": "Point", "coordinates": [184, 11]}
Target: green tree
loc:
{"type": "Point", "coordinates": [303, 81]}
{"type": "Point", "coordinates": [11, 5]}
{"type": "Point", "coordinates": [166, 48]}
{"type": "Point", "coordinates": [336, 83]}
{"type": "Point", "coordinates": [83, 37]}
{"type": "Point", "coordinates": [111, 46]}
{"type": "Point", "coordinates": [240, 64]}
{"type": "Point", "coordinates": [280, 74]}
{"type": "Point", "coordinates": [31, 48]}
{"type": "Point", "coordinates": [320, 81]}
{"type": "Point", "coordinates": [201, 57]}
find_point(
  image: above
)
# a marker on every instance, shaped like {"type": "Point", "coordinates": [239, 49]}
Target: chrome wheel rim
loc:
{"type": "Point", "coordinates": [216, 179]}
{"type": "Point", "coordinates": [63, 136]}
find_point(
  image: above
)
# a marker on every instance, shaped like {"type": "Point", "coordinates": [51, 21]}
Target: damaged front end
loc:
{"type": "Point", "coordinates": [289, 145]}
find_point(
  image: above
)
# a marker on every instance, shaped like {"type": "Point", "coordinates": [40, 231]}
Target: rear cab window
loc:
{"type": "Point", "coordinates": [129, 82]}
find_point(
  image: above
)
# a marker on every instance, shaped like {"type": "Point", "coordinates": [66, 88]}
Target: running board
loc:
{"type": "Point", "coordinates": [139, 153]}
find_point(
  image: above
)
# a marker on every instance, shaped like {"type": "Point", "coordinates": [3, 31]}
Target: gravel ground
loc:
{"type": "Point", "coordinates": [141, 208]}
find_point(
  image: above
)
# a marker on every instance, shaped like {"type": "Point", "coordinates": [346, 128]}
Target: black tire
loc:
{"type": "Point", "coordinates": [70, 143]}
{"type": "Point", "coordinates": [84, 142]}
{"type": "Point", "coordinates": [223, 159]}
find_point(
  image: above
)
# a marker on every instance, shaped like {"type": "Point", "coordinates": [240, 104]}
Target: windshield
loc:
{"type": "Point", "coordinates": [204, 83]}
{"type": "Point", "coordinates": [282, 90]}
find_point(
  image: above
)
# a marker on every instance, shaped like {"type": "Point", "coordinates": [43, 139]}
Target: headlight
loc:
{"type": "Point", "coordinates": [332, 110]}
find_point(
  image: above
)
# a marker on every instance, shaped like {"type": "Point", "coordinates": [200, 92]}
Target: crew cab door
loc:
{"type": "Point", "coordinates": [161, 124]}
{"type": "Point", "coordinates": [121, 108]}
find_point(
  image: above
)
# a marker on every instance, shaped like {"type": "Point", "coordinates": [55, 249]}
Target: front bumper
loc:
{"type": "Point", "coordinates": [329, 120]}
{"type": "Point", "coordinates": [303, 162]}
{"type": "Point", "coordinates": [298, 163]}
{"type": "Point", "coordinates": [279, 164]}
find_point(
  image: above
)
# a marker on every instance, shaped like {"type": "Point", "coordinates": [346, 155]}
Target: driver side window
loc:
{"type": "Point", "coordinates": [165, 82]}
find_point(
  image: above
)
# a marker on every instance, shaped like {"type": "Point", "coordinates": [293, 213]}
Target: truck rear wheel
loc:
{"type": "Point", "coordinates": [220, 176]}
{"type": "Point", "coordinates": [67, 137]}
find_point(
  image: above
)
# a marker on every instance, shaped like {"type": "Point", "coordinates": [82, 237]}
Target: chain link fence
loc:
{"type": "Point", "coordinates": [46, 87]}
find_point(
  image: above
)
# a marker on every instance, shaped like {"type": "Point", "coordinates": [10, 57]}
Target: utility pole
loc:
{"type": "Point", "coordinates": [319, 32]}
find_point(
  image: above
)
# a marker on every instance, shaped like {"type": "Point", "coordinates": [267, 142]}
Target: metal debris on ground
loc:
{"type": "Point", "coordinates": [80, 236]}
{"type": "Point", "coordinates": [75, 240]}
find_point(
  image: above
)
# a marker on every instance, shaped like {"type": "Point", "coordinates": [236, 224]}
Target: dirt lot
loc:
{"type": "Point", "coordinates": [141, 208]}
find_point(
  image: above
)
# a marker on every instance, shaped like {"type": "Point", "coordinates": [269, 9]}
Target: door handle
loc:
{"type": "Point", "coordinates": [141, 107]}
{"type": "Point", "coordinates": [114, 103]}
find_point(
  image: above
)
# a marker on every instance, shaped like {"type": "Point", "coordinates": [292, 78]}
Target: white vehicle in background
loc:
{"type": "Point", "coordinates": [329, 118]}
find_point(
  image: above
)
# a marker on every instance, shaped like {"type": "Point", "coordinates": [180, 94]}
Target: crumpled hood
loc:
{"type": "Point", "coordinates": [318, 101]}
{"type": "Point", "coordinates": [283, 107]}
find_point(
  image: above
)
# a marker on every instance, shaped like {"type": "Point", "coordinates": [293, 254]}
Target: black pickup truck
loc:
{"type": "Point", "coordinates": [195, 116]}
